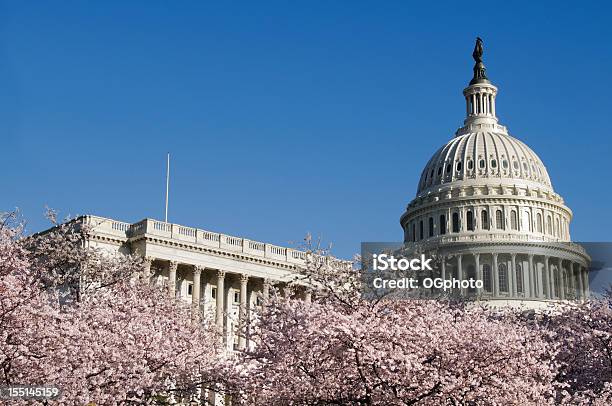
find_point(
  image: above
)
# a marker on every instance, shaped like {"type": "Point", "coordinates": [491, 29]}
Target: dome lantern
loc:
{"type": "Point", "coordinates": [480, 94]}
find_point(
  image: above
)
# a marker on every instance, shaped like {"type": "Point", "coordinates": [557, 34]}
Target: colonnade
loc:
{"type": "Point", "coordinates": [227, 296]}
{"type": "Point", "coordinates": [515, 275]}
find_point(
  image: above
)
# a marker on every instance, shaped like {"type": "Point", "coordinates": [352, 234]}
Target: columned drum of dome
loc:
{"type": "Point", "coordinates": [486, 203]}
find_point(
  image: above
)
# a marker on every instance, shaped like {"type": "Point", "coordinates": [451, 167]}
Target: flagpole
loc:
{"type": "Point", "coordinates": [167, 184]}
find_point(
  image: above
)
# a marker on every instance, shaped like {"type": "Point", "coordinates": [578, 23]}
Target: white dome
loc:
{"type": "Point", "coordinates": [482, 157]}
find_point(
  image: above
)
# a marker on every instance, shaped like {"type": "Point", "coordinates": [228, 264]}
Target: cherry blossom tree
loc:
{"type": "Point", "coordinates": [117, 340]}
{"type": "Point", "coordinates": [342, 349]}
{"type": "Point", "coordinates": [583, 333]}
{"type": "Point", "coordinates": [392, 352]}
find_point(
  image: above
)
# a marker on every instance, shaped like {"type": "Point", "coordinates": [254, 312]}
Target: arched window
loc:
{"type": "Point", "coordinates": [513, 220]}
{"type": "Point", "coordinates": [558, 228]}
{"type": "Point", "coordinates": [527, 226]}
{"type": "Point", "coordinates": [413, 232]}
{"type": "Point", "coordinates": [481, 164]}
{"type": "Point", "coordinates": [519, 278]}
{"type": "Point", "coordinates": [439, 170]}
{"type": "Point", "coordinates": [443, 224]}
{"type": "Point", "coordinates": [448, 168]}
{"type": "Point", "coordinates": [484, 219]}
{"type": "Point", "coordinates": [499, 219]}
{"type": "Point", "coordinates": [548, 225]}
{"type": "Point", "coordinates": [431, 227]}
{"type": "Point", "coordinates": [539, 222]}
{"type": "Point", "coordinates": [455, 222]}
{"type": "Point", "coordinates": [470, 164]}
{"type": "Point", "coordinates": [502, 271]}
{"type": "Point", "coordinates": [486, 277]}
{"type": "Point", "coordinates": [470, 220]}
{"type": "Point", "coordinates": [421, 230]}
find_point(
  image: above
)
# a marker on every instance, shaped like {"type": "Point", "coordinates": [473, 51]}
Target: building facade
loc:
{"type": "Point", "coordinates": [485, 202]}
{"type": "Point", "coordinates": [222, 274]}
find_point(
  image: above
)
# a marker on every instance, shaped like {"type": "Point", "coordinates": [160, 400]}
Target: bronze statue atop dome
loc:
{"type": "Point", "coordinates": [478, 50]}
{"type": "Point", "coordinates": [480, 75]}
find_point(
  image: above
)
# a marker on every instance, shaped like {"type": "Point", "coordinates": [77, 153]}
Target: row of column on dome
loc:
{"type": "Point", "coordinates": [511, 276]}
{"type": "Point", "coordinates": [513, 218]}
{"type": "Point", "coordinates": [228, 297]}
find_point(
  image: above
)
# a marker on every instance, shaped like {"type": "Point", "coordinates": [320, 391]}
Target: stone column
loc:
{"type": "Point", "coordinates": [244, 279]}
{"type": "Point", "coordinates": [195, 297]}
{"type": "Point", "coordinates": [580, 282]}
{"type": "Point", "coordinates": [220, 296]}
{"type": "Point", "coordinates": [266, 290]}
{"type": "Point", "coordinates": [514, 290]}
{"type": "Point", "coordinates": [478, 272]}
{"type": "Point", "coordinates": [495, 276]}
{"type": "Point", "coordinates": [539, 281]}
{"type": "Point", "coordinates": [549, 281]}
{"type": "Point", "coordinates": [308, 295]}
{"type": "Point", "coordinates": [443, 276]}
{"type": "Point", "coordinates": [585, 281]}
{"type": "Point", "coordinates": [146, 271]}
{"type": "Point", "coordinates": [532, 284]}
{"type": "Point", "coordinates": [172, 278]}
{"type": "Point", "coordinates": [460, 272]}
{"type": "Point", "coordinates": [561, 278]}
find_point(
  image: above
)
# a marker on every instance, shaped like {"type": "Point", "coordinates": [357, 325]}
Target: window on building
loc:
{"type": "Point", "coordinates": [484, 219]}
{"type": "Point", "coordinates": [413, 232]}
{"type": "Point", "coordinates": [431, 227]}
{"type": "Point", "coordinates": [470, 164]}
{"type": "Point", "coordinates": [493, 164]}
{"type": "Point", "coordinates": [190, 289]}
{"type": "Point", "coordinates": [548, 225]}
{"type": "Point", "coordinates": [505, 164]}
{"type": "Point", "coordinates": [213, 293]}
{"type": "Point", "coordinates": [558, 228]}
{"type": "Point", "coordinates": [515, 165]}
{"type": "Point", "coordinates": [486, 278]}
{"type": "Point", "coordinates": [470, 220]}
{"type": "Point", "coordinates": [499, 220]}
{"type": "Point", "coordinates": [519, 278]}
{"type": "Point", "coordinates": [539, 222]}
{"type": "Point", "coordinates": [449, 167]}
{"type": "Point", "coordinates": [443, 224]}
{"type": "Point", "coordinates": [513, 220]}
{"type": "Point", "coordinates": [481, 164]}
{"type": "Point", "coordinates": [421, 230]}
{"type": "Point", "coordinates": [455, 222]}
{"type": "Point", "coordinates": [237, 297]}
{"type": "Point", "coordinates": [459, 166]}
{"type": "Point", "coordinates": [502, 270]}
{"type": "Point", "coordinates": [439, 171]}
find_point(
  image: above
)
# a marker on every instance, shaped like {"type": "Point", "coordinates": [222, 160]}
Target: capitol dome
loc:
{"type": "Point", "coordinates": [486, 204]}
{"type": "Point", "coordinates": [476, 157]}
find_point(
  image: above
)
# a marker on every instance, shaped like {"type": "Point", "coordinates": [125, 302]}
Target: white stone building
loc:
{"type": "Point", "coordinates": [220, 273]}
{"type": "Point", "coordinates": [486, 203]}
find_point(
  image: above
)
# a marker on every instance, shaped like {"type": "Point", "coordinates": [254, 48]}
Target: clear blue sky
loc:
{"type": "Point", "coordinates": [288, 117]}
